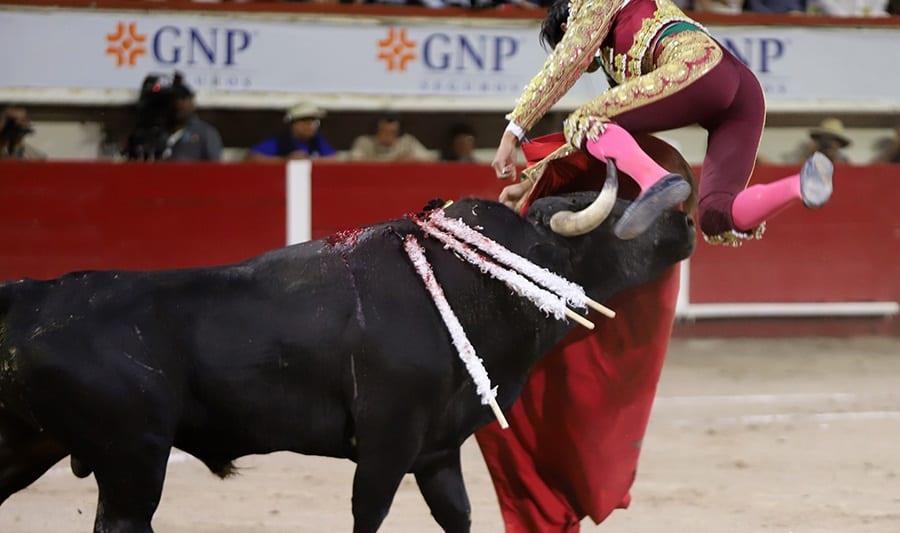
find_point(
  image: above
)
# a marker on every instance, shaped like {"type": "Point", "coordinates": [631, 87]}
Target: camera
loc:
{"type": "Point", "coordinates": [12, 131]}
{"type": "Point", "coordinates": [155, 116]}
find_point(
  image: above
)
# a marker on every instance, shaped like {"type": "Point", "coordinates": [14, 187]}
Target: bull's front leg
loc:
{"type": "Point", "coordinates": [386, 451]}
{"type": "Point", "coordinates": [441, 483]}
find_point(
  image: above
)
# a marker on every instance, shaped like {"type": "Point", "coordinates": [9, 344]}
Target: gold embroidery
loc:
{"type": "Point", "coordinates": [686, 57]}
{"type": "Point", "coordinates": [623, 67]}
{"type": "Point", "coordinates": [588, 24]}
{"type": "Point", "coordinates": [735, 238]}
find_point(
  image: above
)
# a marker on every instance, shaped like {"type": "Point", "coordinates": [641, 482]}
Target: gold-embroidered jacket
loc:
{"type": "Point", "coordinates": [588, 28]}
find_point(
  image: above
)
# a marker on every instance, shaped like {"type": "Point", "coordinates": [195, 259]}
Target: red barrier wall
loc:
{"type": "Point", "coordinates": [352, 195]}
{"type": "Point", "coordinates": [59, 217]}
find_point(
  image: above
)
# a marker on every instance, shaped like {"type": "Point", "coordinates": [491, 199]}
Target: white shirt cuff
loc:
{"type": "Point", "coordinates": [516, 130]}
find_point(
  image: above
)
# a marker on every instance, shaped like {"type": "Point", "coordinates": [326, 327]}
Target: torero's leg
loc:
{"type": "Point", "coordinates": [730, 212]}
{"type": "Point", "coordinates": [758, 203]}
{"type": "Point", "coordinates": [691, 85]}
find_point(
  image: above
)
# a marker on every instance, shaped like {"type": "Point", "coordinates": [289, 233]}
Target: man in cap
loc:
{"type": "Point", "coordinates": [301, 138]}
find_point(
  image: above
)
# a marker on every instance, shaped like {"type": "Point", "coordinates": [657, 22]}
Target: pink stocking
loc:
{"type": "Point", "coordinates": [618, 144]}
{"type": "Point", "coordinates": [754, 205]}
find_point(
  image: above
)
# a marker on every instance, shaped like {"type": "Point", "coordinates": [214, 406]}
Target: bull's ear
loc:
{"type": "Point", "coordinates": [542, 210]}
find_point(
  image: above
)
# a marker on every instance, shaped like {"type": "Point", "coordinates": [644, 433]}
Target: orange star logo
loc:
{"type": "Point", "coordinates": [125, 44]}
{"type": "Point", "coordinates": [396, 50]}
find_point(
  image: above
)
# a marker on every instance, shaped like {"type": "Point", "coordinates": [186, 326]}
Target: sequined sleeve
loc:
{"type": "Point", "coordinates": [587, 26]}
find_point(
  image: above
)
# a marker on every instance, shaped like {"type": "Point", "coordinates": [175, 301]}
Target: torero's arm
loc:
{"type": "Point", "coordinates": [586, 28]}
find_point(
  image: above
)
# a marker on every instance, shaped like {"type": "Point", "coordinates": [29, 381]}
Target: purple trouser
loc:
{"type": "Point", "coordinates": [728, 103]}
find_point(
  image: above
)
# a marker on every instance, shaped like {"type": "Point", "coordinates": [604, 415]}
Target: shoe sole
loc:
{"type": "Point", "coordinates": [816, 180]}
{"type": "Point", "coordinates": [642, 213]}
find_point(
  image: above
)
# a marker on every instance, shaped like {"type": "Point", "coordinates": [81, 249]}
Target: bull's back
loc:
{"type": "Point", "coordinates": [239, 352]}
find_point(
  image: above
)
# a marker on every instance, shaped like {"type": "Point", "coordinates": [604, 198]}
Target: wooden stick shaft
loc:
{"type": "Point", "coordinates": [572, 315]}
{"type": "Point", "coordinates": [499, 414]}
{"type": "Point", "coordinates": [602, 309]}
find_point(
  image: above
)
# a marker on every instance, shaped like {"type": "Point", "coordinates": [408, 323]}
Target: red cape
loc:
{"type": "Point", "coordinates": [575, 433]}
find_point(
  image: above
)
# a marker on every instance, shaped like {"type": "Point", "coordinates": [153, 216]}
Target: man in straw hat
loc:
{"type": "Point", "coordinates": [829, 138]}
{"type": "Point", "coordinates": [301, 138]}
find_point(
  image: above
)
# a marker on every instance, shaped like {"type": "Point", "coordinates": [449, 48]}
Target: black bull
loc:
{"type": "Point", "coordinates": [329, 348]}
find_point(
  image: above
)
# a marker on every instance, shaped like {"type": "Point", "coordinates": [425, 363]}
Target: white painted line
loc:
{"type": "Point", "coordinates": [785, 418]}
{"type": "Point", "coordinates": [814, 309]}
{"type": "Point", "coordinates": [299, 201]}
{"type": "Point", "coordinates": [769, 399]}
{"type": "Point", "coordinates": [683, 302]}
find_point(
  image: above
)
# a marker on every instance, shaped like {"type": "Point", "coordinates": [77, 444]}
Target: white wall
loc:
{"type": "Point", "coordinates": [782, 145]}
{"type": "Point", "coordinates": [82, 140]}
{"type": "Point", "coordinates": [67, 140]}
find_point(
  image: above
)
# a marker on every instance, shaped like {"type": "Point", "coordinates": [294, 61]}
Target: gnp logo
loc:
{"type": "Point", "coordinates": [761, 54]}
{"type": "Point", "coordinates": [396, 50]}
{"type": "Point", "coordinates": [177, 46]}
{"type": "Point", "coordinates": [125, 44]}
{"type": "Point", "coordinates": [444, 52]}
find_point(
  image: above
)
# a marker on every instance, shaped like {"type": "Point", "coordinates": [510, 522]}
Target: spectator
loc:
{"type": "Point", "coordinates": [388, 144]}
{"type": "Point", "coordinates": [849, 8]}
{"type": "Point", "coordinates": [461, 147]}
{"type": "Point", "coordinates": [191, 139]}
{"type": "Point", "coordinates": [829, 138]}
{"type": "Point", "coordinates": [301, 138]}
{"type": "Point", "coordinates": [724, 7]}
{"type": "Point", "coordinates": [776, 6]}
{"type": "Point", "coordinates": [14, 127]}
{"type": "Point", "coordinates": [889, 148]}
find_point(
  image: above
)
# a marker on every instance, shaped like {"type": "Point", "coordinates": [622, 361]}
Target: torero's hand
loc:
{"type": "Point", "coordinates": [512, 195]}
{"type": "Point", "coordinates": [504, 163]}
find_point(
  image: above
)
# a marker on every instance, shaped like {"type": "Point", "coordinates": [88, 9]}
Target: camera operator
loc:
{"type": "Point", "coordinates": [192, 139]}
{"type": "Point", "coordinates": [167, 127]}
{"type": "Point", "coordinates": [14, 127]}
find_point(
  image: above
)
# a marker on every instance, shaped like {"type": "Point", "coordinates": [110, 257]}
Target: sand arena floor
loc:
{"type": "Point", "coordinates": [797, 436]}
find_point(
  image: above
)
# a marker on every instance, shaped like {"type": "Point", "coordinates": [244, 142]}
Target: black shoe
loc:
{"type": "Point", "coordinates": [815, 180]}
{"type": "Point", "coordinates": [665, 194]}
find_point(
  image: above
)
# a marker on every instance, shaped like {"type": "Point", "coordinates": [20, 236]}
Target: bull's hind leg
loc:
{"type": "Point", "coordinates": [130, 481]}
{"type": "Point", "coordinates": [441, 483]}
{"type": "Point", "coordinates": [25, 455]}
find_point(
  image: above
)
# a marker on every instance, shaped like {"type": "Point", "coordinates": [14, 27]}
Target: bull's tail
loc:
{"type": "Point", "coordinates": [5, 304]}
{"type": "Point", "coordinates": [10, 389]}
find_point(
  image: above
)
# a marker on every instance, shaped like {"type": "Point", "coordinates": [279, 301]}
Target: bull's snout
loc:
{"type": "Point", "coordinates": [679, 232]}
{"type": "Point", "coordinates": [687, 222]}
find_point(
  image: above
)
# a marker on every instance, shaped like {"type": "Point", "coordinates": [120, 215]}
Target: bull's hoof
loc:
{"type": "Point", "coordinates": [815, 180]}
{"type": "Point", "coordinates": [80, 469]}
{"type": "Point", "coordinates": [665, 194]}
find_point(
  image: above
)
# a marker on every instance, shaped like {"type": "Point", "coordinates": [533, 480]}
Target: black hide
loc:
{"type": "Point", "coordinates": [330, 347]}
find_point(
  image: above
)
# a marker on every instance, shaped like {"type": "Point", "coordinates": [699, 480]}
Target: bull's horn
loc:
{"type": "Point", "coordinates": [573, 224]}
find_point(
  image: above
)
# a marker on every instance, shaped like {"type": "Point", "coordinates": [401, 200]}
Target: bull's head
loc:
{"type": "Point", "coordinates": [583, 226]}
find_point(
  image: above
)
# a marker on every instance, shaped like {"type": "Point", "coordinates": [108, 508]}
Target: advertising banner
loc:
{"type": "Point", "coordinates": [79, 55]}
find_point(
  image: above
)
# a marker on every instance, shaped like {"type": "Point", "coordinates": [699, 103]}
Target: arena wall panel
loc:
{"type": "Point", "coordinates": [60, 217]}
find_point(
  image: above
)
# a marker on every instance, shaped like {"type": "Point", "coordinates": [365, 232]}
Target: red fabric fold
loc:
{"type": "Point", "coordinates": [575, 433]}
